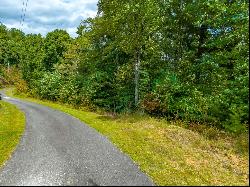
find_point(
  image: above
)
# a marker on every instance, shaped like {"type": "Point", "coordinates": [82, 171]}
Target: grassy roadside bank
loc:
{"type": "Point", "coordinates": [12, 123]}
{"type": "Point", "coordinates": [168, 152]}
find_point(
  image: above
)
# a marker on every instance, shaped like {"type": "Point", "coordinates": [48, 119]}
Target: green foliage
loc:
{"type": "Point", "coordinates": [55, 45]}
{"type": "Point", "coordinates": [183, 60]}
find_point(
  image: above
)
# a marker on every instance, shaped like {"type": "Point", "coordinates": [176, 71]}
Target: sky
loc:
{"type": "Point", "coordinates": [43, 16]}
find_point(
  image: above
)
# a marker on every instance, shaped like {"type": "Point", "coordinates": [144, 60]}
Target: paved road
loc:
{"type": "Point", "coordinates": [58, 149]}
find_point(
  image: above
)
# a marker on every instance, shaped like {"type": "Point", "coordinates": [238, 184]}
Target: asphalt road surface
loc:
{"type": "Point", "coordinates": [58, 149]}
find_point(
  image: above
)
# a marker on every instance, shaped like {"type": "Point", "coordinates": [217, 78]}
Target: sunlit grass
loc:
{"type": "Point", "coordinates": [12, 122]}
{"type": "Point", "coordinates": [167, 151]}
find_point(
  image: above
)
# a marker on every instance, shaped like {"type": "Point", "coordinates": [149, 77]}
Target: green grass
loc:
{"type": "Point", "coordinates": [12, 122]}
{"type": "Point", "coordinates": [169, 152]}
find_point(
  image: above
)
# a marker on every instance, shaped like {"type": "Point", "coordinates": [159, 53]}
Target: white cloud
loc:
{"type": "Point", "coordinates": [44, 16]}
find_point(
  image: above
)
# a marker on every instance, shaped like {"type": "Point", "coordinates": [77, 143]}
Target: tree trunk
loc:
{"type": "Point", "coordinates": [137, 74]}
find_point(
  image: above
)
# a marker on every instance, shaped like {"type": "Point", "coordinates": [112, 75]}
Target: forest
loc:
{"type": "Point", "coordinates": [173, 59]}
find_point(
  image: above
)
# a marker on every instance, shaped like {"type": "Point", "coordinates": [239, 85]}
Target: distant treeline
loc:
{"type": "Point", "coordinates": [177, 59]}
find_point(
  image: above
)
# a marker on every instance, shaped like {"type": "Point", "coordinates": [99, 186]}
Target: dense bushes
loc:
{"type": "Point", "coordinates": [12, 76]}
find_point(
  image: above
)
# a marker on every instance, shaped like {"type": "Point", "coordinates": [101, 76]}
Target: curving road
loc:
{"type": "Point", "coordinates": [58, 149]}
